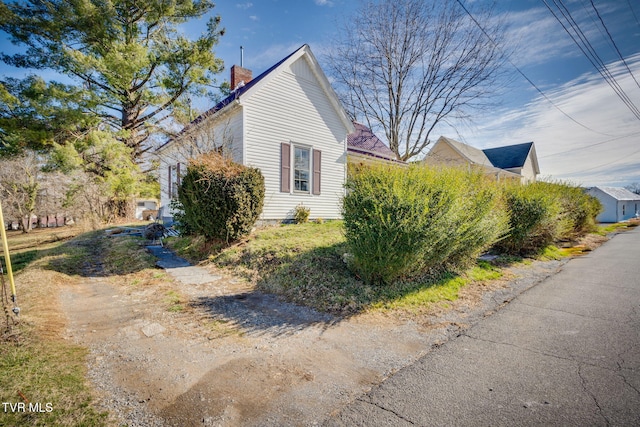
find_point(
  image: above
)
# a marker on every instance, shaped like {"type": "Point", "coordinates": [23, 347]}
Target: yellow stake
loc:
{"type": "Point", "coordinates": [7, 259]}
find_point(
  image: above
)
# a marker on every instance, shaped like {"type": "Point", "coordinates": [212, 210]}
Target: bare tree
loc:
{"type": "Point", "coordinates": [200, 138]}
{"type": "Point", "coordinates": [19, 186]}
{"type": "Point", "coordinates": [407, 65]}
{"type": "Point", "coordinates": [634, 187]}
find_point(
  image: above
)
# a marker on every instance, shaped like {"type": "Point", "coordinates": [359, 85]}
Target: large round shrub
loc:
{"type": "Point", "coordinates": [407, 222]}
{"type": "Point", "coordinates": [219, 198]}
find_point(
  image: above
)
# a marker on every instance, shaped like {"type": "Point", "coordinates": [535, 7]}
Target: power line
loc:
{"type": "Point", "coordinates": [614, 44]}
{"type": "Point", "coordinates": [604, 164]}
{"type": "Point", "coordinates": [525, 76]}
{"type": "Point", "coordinates": [590, 53]}
{"type": "Point", "coordinates": [633, 12]}
{"type": "Point", "coordinates": [589, 146]}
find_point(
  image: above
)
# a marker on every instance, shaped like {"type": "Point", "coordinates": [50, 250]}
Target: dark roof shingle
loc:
{"type": "Point", "coordinates": [510, 156]}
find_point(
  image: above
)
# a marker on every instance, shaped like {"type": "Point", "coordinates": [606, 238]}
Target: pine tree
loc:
{"type": "Point", "coordinates": [127, 56]}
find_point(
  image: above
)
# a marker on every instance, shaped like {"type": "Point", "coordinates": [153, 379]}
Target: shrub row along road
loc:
{"type": "Point", "coordinates": [566, 352]}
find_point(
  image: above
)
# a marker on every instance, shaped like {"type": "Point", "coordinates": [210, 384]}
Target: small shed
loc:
{"type": "Point", "coordinates": [619, 203]}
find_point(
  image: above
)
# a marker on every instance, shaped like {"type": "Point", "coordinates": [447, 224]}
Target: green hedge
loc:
{"type": "Point", "coordinates": [219, 199]}
{"type": "Point", "coordinates": [542, 213]}
{"type": "Point", "coordinates": [408, 222]}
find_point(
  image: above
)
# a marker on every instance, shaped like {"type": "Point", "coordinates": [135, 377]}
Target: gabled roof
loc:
{"type": "Point", "coordinates": [510, 156]}
{"type": "Point", "coordinates": [261, 79]}
{"type": "Point", "coordinates": [470, 153]}
{"type": "Point", "coordinates": [240, 91]}
{"type": "Point", "coordinates": [619, 193]}
{"type": "Point", "coordinates": [364, 141]}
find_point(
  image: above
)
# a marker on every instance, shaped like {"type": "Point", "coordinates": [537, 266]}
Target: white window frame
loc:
{"type": "Point", "coordinates": [309, 171]}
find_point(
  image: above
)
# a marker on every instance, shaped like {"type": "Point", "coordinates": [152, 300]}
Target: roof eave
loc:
{"type": "Point", "coordinates": [191, 126]}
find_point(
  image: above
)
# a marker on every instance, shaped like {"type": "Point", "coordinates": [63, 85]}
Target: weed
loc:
{"type": "Point", "coordinates": [551, 252]}
{"type": "Point", "coordinates": [175, 301]}
{"type": "Point", "coordinates": [301, 214]}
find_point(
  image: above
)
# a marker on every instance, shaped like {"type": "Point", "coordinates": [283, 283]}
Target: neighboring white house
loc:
{"type": "Point", "coordinates": [146, 209]}
{"type": "Point", "coordinates": [619, 203]}
{"type": "Point", "coordinates": [288, 122]}
{"type": "Point", "coordinates": [508, 162]}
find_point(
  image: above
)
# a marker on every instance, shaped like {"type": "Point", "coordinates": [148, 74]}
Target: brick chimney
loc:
{"type": "Point", "coordinates": [239, 74]}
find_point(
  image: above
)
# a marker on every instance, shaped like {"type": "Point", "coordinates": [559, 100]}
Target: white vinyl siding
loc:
{"type": "Point", "coordinates": [226, 131]}
{"type": "Point", "coordinates": [293, 108]}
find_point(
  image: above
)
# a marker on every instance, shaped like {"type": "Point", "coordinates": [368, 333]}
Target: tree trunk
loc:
{"type": "Point", "coordinates": [26, 224]}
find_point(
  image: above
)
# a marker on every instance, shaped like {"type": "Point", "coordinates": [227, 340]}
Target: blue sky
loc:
{"type": "Point", "coordinates": [602, 148]}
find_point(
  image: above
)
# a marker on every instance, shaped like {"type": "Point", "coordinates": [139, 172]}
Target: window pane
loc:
{"type": "Point", "coordinates": [301, 169]}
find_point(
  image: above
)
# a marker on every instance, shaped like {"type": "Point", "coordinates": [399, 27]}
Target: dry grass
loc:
{"type": "Point", "coordinates": [41, 238]}
{"type": "Point", "coordinates": [42, 367]}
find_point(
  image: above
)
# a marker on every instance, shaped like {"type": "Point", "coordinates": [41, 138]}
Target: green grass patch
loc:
{"type": "Point", "coordinates": [174, 301]}
{"type": "Point", "coordinates": [552, 252]}
{"type": "Point", "coordinates": [22, 259]}
{"type": "Point", "coordinates": [51, 374]}
{"type": "Point", "coordinates": [604, 229]}
{"type": "Point", "coordinates": [407, 296]}
{"type": "Point", "coordinates": [305, 264]}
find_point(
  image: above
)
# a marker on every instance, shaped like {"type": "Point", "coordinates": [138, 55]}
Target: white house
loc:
{"type": "Point", "coordinates": [146, 209]}
{"type": "Point", "coordinates": [518, 161]}
{"type": "Point", "coordinates": [288, 122]}
{"type": "Point", "coordinates": [619, 203]}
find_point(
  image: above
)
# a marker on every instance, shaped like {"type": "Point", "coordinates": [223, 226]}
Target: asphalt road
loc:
{"type": "Point", "coordinates": [564, 353]}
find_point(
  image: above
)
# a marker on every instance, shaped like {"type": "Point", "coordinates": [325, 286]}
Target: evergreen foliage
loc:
{"type": "Point", "coordinates": [219, 199]}
{"type": "Point", "coordinates": [128, 57]}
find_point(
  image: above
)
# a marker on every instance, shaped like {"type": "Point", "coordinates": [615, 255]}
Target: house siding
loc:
{"type": "Point", "coordinates": [444, 154]}
{"type": "Point", "coordinates": [224, 130]}
{"type": "Point", "coordinates": [614, 210]}
{"type": "Point", "coordinates": [528, 172]}
{"type": "Point", "coordinates": [293, 108]}
{"type": "Point", "coordinates": [609, 204]}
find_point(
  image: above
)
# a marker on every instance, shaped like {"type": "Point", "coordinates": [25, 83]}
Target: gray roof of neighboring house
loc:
{"type": "Point", "coordinates": [619, 193]}
{"type": "Point", "coordinates": [364, 141]}
{"type": "Point", "coordinates": [510, 156]}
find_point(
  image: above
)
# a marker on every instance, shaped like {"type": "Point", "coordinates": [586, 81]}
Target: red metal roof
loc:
{"type": "Point", "coordinates": [364, 141]}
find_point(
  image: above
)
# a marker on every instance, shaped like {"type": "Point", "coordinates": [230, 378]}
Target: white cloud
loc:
{"type": "Point", "coordinates": [254, 18]}
{"type": "Point", "coordinates": [534, 36]}
{"type": "Point", "coordinates": [606, 153]}
{"type": "Point", "coordinates": [269, 56]}
{"type": "Point", "coordinates": [323, 2]}
{"type": "Point", "coordinates": [244, 6]}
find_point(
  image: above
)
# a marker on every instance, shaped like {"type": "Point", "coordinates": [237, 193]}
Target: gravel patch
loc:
{"type": "Point", "coordinates": [241, 357]}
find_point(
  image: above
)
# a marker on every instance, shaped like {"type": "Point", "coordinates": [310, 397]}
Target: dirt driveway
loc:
{"type": "Point", "coordinates": [238, 357]}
